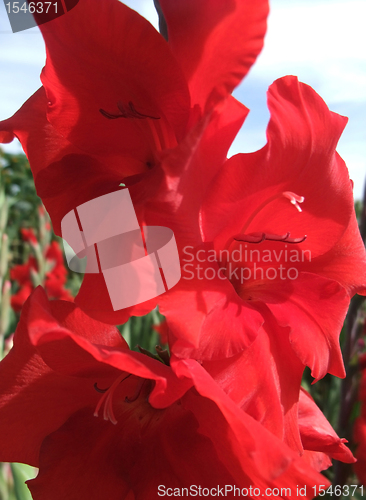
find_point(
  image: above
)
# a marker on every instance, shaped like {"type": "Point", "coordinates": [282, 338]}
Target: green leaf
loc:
{"type": "Point", "coordinates": [22, 473]}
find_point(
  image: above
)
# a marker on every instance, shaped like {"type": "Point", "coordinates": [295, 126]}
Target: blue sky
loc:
{"type": "Point", "coordinates": [321, 41]}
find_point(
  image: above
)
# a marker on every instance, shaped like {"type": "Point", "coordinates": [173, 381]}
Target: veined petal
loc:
{"type": "Point", "coordinates": [267, 394]}
{"type": "Point", "coordinates": [188, 171]}
{"type": "Point", "coordinates": [78, 346]}
{"type": "Point", "coordinates": [299, 159]}
{"type": "Point", "coordinates": [238, 449]}
{"type": "Point", "coordinates": [35, 400]}
{"type": "Point", "coordinates": [64, 175]}
{"type": "Point", "coordinates": [120, 59]}
{"type": "Point", "coordinates": [237, 437]}
{"type": "Point", "coordinates": [314, 335]}
{"type": "Point", "coordinates": [345, 262]}
{"type": "Point", "coordinates": [206, 317]}
{"type": "Point", "coordinates": [316, 432]}
{"type": "Point", "coordinates": [145, 449]}
{"type": "Point", "coordinates": [168, 195]}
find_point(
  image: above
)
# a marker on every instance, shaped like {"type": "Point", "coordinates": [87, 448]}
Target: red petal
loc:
{"type": "Point", "coordinates": [163, 330]}
{"type": "Point", "coordinates": [314, 308]}
{"type": "Point", "coordinates": [316, 432]}
{"type": "Point", "coordinates": [91, 459]}
{"type": "Point", "coordinates": [345, 262]}
{"type": "Point", "coordinates": [206, 317]}
{"type": "Point", "coordinates": [28, 235]}
{"type": "Point", "coordinates": [317, 460]}
{"type": "Point", "coordinates": [120, 59]}
{"type": "Point", "coordinates": [299, 158]}
{"type": "Point", "coordinates": [267, 394]}
{"type": "Point", "coordinates": [216, 42]}
{"type": "Point", "coordinates": [69, 342]}
{"type": "Point", "coordinates": [6, 136]}
{"type": "Point", "coordinates": [243, 445]}
{"type": "Point", "coordinates": [35, 401]}
{"type": "Point", "coordinates": [158, 198]}
{"type": "Point", "coordinates": [174, 199]}
{"type": "Point", "coordinates": [93, 298]}
{"type": "Point", "coordinates": [65, 177]}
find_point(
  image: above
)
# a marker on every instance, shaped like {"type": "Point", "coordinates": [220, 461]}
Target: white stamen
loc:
{"type": "Point", "coordinates": [107, 399]}
{"type": "Point", "coordinates": [294, 198]}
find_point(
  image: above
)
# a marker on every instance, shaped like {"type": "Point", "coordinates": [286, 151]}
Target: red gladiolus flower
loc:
{"type": "Point", "coordinates": [100, 420]}
{"type": "Point", "coordinates": [28, 235]}
{"type": "Point", "coordinates": [288, 209]}
{"type": "Point", "coordinates": [55, 279]}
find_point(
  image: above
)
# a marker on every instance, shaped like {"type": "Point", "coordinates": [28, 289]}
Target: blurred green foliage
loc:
{"type": "Point", "coordinates": [17, 182]}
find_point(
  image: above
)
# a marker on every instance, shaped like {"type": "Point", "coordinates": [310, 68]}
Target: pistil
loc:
{"type": "Point", "coordinates": [259, 237]}
{"type": "Point", "coordinates": [155, 129]}
{"type": "Point", "coordinates": [107, 399]}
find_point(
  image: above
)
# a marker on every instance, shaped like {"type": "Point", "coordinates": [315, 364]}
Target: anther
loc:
{"type": "Point", "coordinates": [259, 237]}
{"type": "Point", "coordinates": [250, 238]}
{"type": "Point", "coordinates": [110, 116]}
{"type": "Point", "coordinates": [137, 393]}
{"type": "Point", "coordinates": [101, 391]}
{"type": "Point", "coordinates": [128, 111]}
{"type": "Point", "coordinates": [135, 113]}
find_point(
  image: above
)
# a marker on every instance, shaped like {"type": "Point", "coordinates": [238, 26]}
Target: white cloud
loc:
{"type": "Point", "coordinates": [322, 38]}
